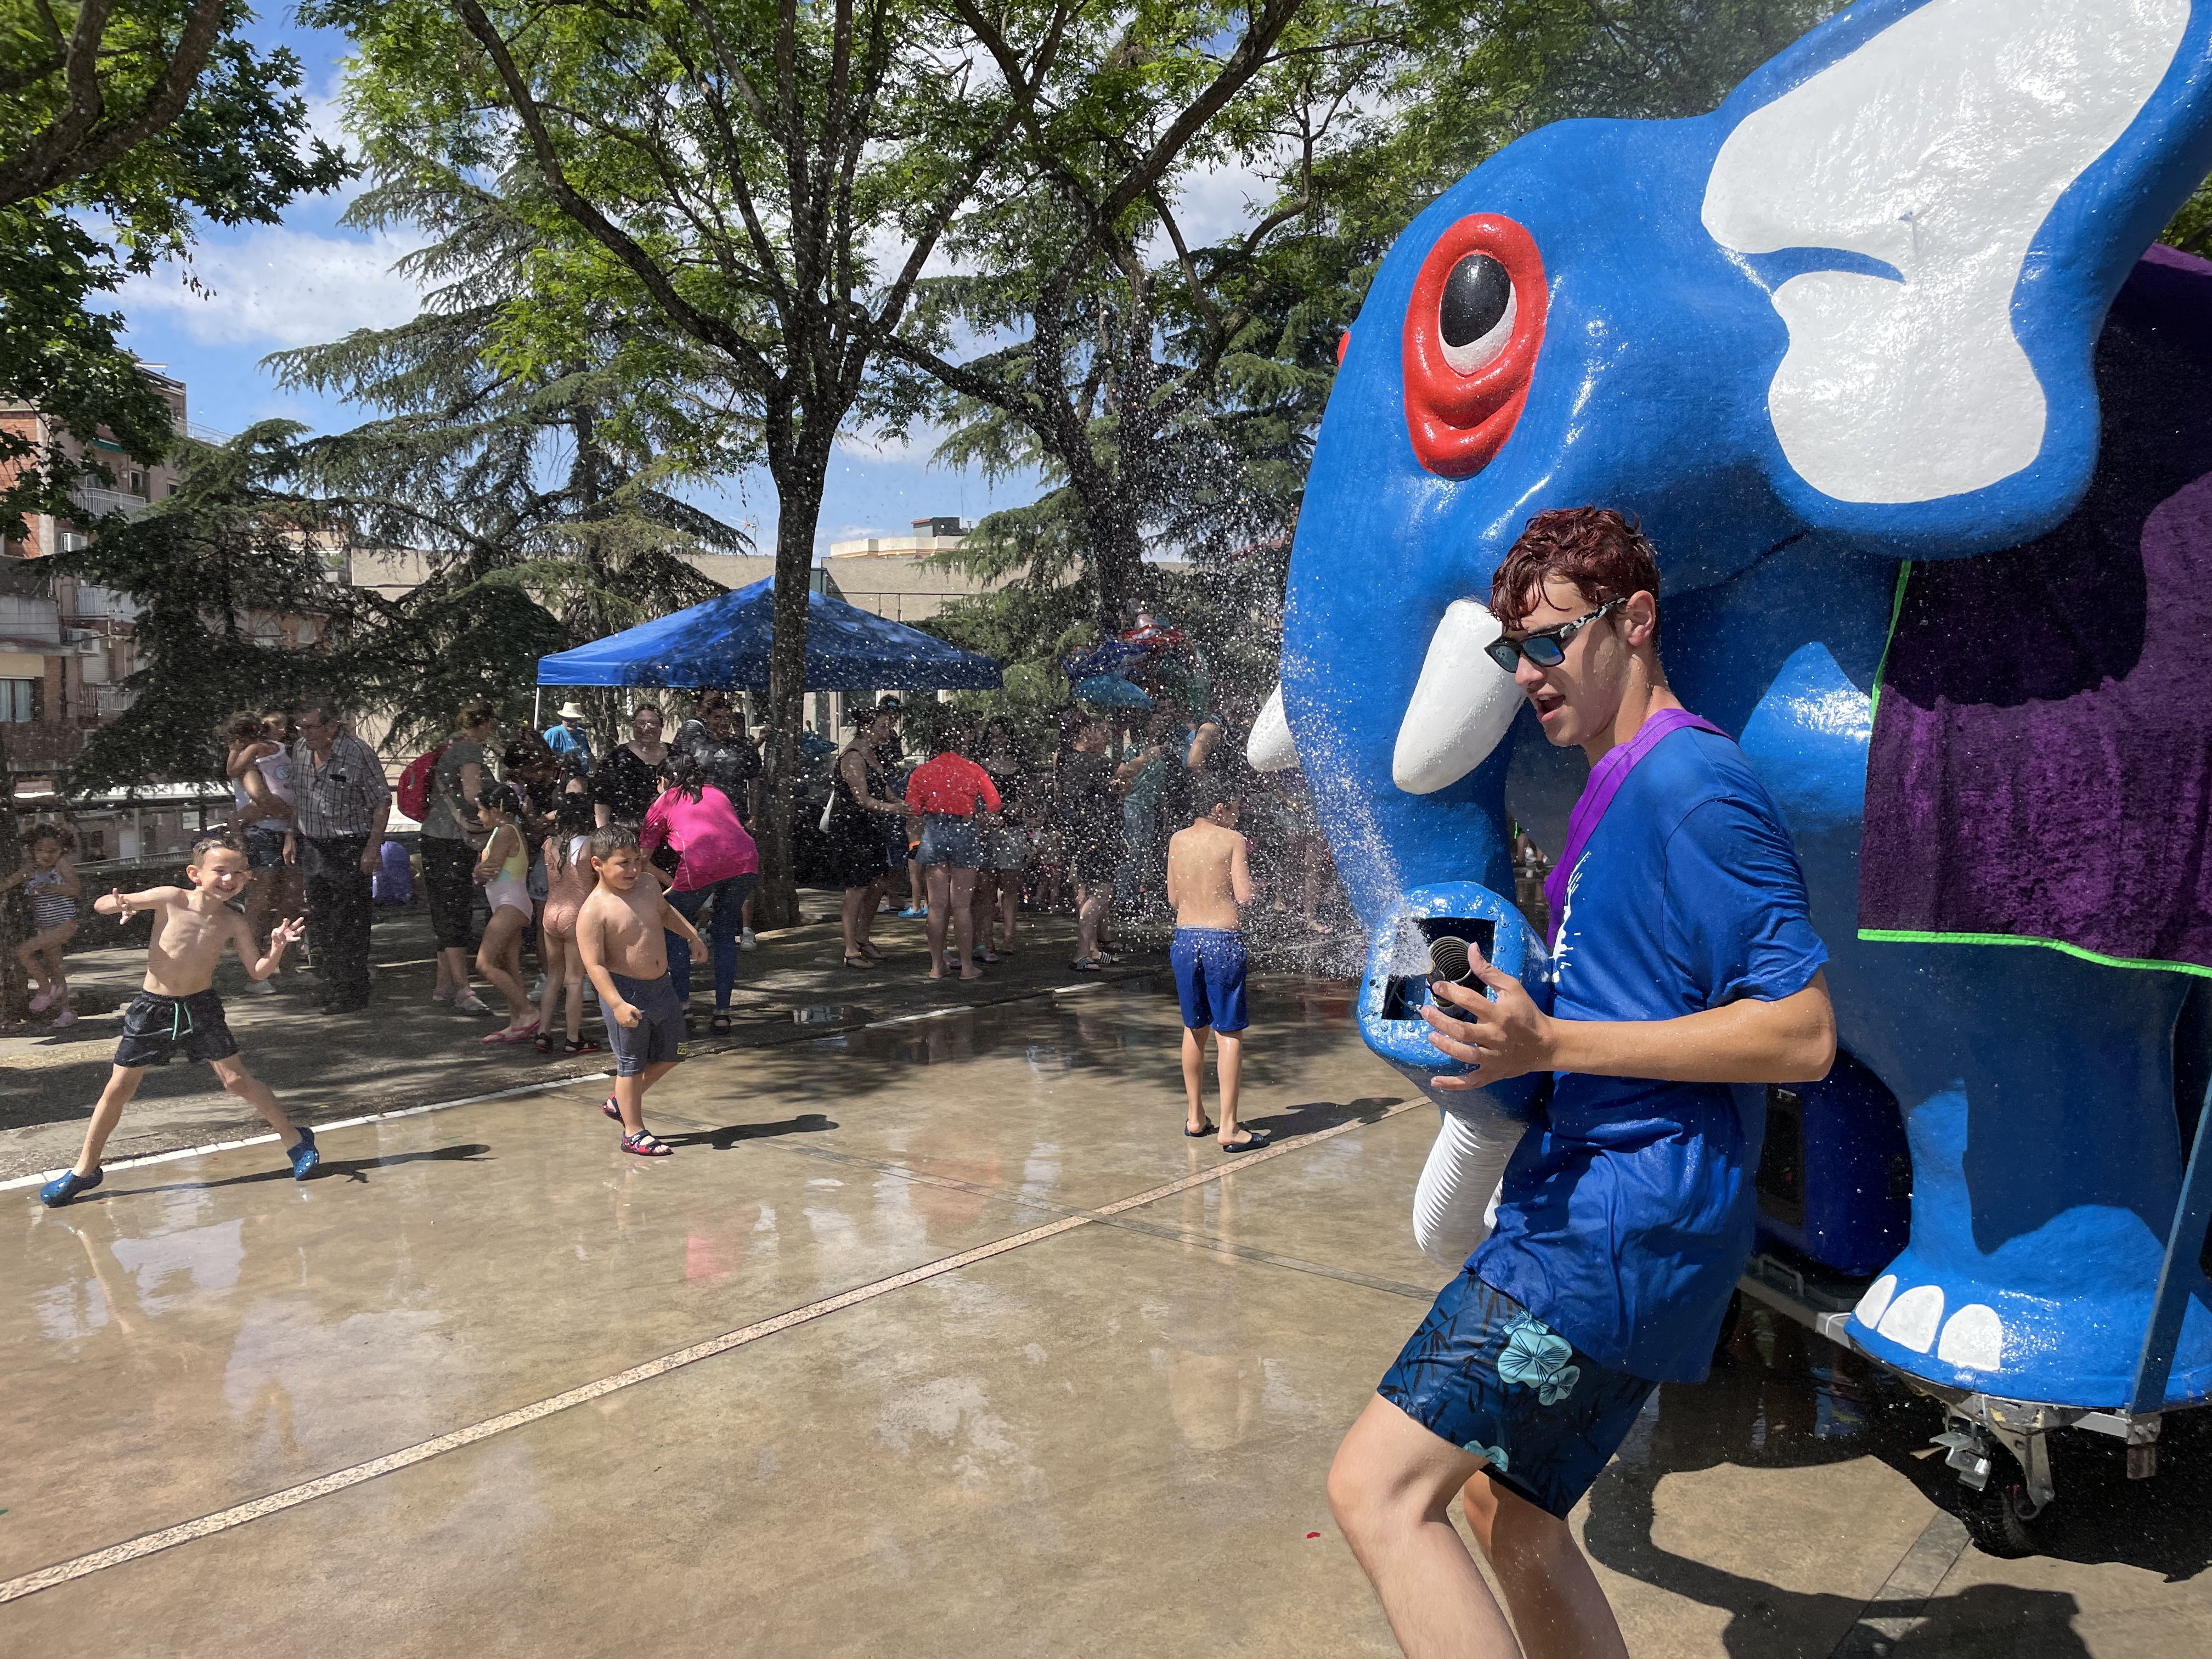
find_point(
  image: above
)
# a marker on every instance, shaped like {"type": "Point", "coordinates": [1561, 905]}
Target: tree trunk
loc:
{"type": "Point", "coordinates": [798, 508]}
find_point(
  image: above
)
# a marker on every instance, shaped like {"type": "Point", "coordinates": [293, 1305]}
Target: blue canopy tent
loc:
{"type": "Point", "coordinates": [725, 642]}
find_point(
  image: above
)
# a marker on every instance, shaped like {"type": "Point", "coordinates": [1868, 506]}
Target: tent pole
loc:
{"type": "Point", "coordinates": [536, 708]}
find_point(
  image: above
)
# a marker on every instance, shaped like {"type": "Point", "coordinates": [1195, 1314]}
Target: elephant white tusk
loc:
{"type": "Point", "coordinates": [1461, 707]}
{"type": "Point", "coordinates": [1271, 747]}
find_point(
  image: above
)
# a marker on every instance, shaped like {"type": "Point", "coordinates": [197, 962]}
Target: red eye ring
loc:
{"type": "Point", "coordinates": [1458, 422]}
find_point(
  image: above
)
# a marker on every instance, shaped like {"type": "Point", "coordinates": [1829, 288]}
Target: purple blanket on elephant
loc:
{"type": "Point", "coordinates": [2041, 764]}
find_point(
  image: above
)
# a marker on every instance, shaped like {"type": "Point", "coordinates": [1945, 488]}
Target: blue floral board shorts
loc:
{"type": "Point", "coordinates": [1486, 1374]}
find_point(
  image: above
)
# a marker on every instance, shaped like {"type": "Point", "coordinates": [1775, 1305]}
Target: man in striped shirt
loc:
{"type": "Point", "coordinates": [344, 806]}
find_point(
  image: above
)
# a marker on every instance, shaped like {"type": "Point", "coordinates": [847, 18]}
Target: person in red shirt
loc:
{"type": "Point", "coordinates": [946, 792]}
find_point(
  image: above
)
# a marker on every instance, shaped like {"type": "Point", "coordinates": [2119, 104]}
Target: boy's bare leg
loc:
{"type": "Point", "coordinates": [237, 1080]}
{"type": "Point", "coordinates": [941, 882]}
{"type": "Point", "coordinates": [1557, 1608]}
{"type": "Point", "coordinates": [1390, 1489]}
{"type": "Point", "coordinates": [1229, 1064]}
{"type": "Point", "coordinates": [629, 1094]}
{"type": "Point", "coordinates": [1193, 1079]}
{"type": "Point", "coordinates": [122, 1083]}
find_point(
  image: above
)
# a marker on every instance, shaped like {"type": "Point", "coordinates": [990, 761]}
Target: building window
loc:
{"type": "Point", "coordinates": [19, 700]}
{"type": "Point", "coordinates": [138, 483]}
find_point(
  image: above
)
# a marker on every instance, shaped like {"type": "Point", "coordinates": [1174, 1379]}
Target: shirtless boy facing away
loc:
{"type": "Point", "coordinates": [1208, 879]}
{"type": "Point", "coordinates": [177, 1010]}
{"type": "Point", "coordinates": [618, 934]}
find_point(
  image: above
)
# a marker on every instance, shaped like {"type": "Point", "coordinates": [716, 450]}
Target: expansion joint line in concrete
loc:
{"type": "Point", "coordinates": [238, 1515]}
{"type": "Point", "coordinates": [1899, 1606]}
{"type": "Point", "coordinates": [1128, 1222]}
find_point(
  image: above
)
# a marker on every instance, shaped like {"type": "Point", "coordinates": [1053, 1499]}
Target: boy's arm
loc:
{"type": "Point", "coordinates": [116, 902]}
{"type": "Point", "coordinates": [1240, 870]}
{"type": "Point", "coordinates": [1790, 1039]}
{"type": "Point", "coordinates": [591, 947]}
{"type": "Point", "coordinates": [284, 933]}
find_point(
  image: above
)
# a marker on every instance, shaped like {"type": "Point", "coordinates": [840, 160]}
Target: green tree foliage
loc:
{"type": "Point", "coordinates": [122, 122]}
{"type": "Point", "coordinates": [215, 569]}
{"type": "Point", "coordinates": [1124, 364]}
{"type": "Point", "coordinates": [534, 490]}
{"type": "Point", "coordinates": [767, 180]}
{"type": "Point", "coordinates": [1173, 403]}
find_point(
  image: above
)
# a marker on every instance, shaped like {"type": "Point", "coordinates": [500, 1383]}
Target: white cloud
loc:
{"type": "Point", "coordinates": [273, 286]}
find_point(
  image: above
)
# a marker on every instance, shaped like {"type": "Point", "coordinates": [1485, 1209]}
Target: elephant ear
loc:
{"type": "Point", "coordinates": [1939, 198]}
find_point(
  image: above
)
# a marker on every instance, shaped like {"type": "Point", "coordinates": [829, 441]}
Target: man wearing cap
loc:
{"type": "Point", "coordinates": [570, 741]}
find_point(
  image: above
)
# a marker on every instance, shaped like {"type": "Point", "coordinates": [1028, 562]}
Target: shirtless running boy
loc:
{"type": "Point", "coordinates": [177, 1010]}
{"type": "Point", "coordinates": [618, 934]}
{"type": "Point", "coordinates": [1208, 880]}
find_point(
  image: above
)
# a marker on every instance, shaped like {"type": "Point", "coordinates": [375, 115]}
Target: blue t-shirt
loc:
{"type": "Point", "coordinates": [563, 742]}
{"type": "Point", "coordinates": [1627, 1212]}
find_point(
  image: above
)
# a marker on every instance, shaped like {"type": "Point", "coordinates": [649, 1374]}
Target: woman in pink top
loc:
{"type": "Point", "coordinates": [717, 865]}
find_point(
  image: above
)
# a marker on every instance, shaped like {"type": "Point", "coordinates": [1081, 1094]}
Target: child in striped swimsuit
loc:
{"type": "Point", "coordinates": [51, 884]}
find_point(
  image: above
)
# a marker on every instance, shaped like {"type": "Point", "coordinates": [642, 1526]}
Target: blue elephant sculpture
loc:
{"type": "Point", "coordinates": [1861, 320]}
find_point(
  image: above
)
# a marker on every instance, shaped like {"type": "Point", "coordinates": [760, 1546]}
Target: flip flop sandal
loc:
{"type": "Point", "coordinates": [612, 1110]}
{"type": "Point", "coordinates": [860, 964]}
{"type": "Point", "coordinates": [643, 1144]}
{"type": "Point", "coordinates": [1088, 965]}
{"type": "Point", "coordinates": [1198, 1133]}
{"type": "Point", "coordinates": [720, 1024]}
{"type": "Point", "coordinates": [579, 1045]}
{"type": "Point", "coordinates": [869, 950]}
{"type": "Point", "coordinates": [1259, 1139]}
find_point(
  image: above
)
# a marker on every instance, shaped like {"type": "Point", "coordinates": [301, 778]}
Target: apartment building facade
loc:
{"type": "Point", "coordinates": [66, 644]}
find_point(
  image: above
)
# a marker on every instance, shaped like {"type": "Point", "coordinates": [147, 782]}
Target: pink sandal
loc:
{"type": "Point", "coordinates": [645, 1145]}
{"type": "Point", "coordinates": [513, 1034]}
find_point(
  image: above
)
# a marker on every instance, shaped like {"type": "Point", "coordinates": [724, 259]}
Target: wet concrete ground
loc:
{"type": "Point", "coordinates": [934, 1338]}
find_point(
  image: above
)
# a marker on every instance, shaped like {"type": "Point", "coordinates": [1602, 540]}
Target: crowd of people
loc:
{"type": "Point", "coordinates": [965, 830]}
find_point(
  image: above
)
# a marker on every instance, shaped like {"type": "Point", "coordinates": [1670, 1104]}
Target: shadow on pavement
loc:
{"type": "Point", "coordinates": [350, 1169]}
{"type": "Point", "coordinates": [1780, 1398]}
{"type": "Point", "coordinates": [720, 1141]}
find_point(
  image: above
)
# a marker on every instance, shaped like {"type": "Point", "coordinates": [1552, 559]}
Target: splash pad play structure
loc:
{"type": "Point", "coordinates": [1881, 355]}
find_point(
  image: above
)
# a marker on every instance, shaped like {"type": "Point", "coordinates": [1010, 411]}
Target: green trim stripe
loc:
{"type": "Point", "coordinates": [1910, 936]}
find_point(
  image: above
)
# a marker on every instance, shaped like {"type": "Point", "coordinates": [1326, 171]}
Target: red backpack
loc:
{"type": "Point", "coordinates": [414, 791]}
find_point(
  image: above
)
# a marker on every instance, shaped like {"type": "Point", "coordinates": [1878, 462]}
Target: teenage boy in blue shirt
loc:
{"type": "Point", "coordinates": [1688, 976]}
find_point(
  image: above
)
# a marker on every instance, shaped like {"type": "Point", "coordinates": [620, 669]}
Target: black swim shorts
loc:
{"type": "Point", "coordinates": [155, 1027]}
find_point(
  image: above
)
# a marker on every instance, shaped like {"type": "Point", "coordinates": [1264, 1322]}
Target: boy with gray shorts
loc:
{"type": "Point", "coordinates": [618, 934]}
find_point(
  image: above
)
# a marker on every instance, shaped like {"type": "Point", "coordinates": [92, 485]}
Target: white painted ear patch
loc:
{"type": "Point", "coordinates": [1939, 148]}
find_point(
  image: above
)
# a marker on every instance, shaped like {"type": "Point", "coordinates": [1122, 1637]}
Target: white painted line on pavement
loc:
{"type": "Point", "coordinates": [546, 1086]}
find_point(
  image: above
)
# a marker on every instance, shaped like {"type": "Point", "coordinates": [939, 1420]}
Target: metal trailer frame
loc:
{"type": "Point", "coordinates": [1979, 1425]}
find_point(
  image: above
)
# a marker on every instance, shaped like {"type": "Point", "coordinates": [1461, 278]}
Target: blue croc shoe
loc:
{"type": "Point", "coordinates": [67, 1186]}
{"type": "Point", "coordinates": [304, 1155]}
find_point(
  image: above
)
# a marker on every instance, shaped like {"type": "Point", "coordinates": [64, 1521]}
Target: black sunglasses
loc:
{"type": "Point", "coordinates": [1547, 647]}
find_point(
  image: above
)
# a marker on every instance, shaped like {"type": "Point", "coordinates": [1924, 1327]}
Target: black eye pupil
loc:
{"type": "Point", "coordinates": [1475, 295]}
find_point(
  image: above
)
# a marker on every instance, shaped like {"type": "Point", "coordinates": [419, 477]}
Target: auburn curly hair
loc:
{"type": "Point", "coordinates": [1604, 554]}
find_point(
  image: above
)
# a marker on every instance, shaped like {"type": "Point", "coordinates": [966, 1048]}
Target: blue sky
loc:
{"type": "Point", "coordinates": [311, 280]}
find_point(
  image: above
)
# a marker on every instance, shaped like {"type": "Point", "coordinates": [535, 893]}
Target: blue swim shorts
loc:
{"type": "Point", "coordinates": [660, 1029]}
{"type": "Point", "coordinates": [1486, 1374]}
{"type": "Point", "coordinates": [1209, 973]}
{"type": "Point", "coordinates": [949, 840]}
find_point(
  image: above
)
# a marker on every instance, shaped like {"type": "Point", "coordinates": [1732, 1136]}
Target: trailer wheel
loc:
{"type": "Point", "coordinates": [1998, 1518]}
